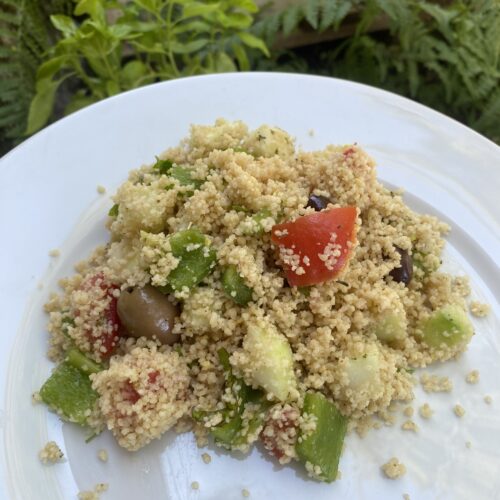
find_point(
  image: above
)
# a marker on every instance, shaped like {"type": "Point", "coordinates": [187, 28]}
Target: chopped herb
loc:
{"type": "Point", "coordinates": [113, 211]}
{"type": "Point", "coordinates": [163, 166]}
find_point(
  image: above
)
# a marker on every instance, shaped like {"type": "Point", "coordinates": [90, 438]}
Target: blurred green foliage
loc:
{"type": "Point", "coordinates": [58, 56]}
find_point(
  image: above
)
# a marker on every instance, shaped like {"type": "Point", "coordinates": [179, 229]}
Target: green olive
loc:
{"type": "Point", "coordinates": [146, 312]}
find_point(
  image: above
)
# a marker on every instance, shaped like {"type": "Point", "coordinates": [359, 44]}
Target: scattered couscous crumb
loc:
{"type": "Point", "coordinates": [101, 189]}
{"type": "Point", "coordinates": [50, 453]}
{"type": "Point", "coordinates": [425, 411]}
{"type": "Point", "coordinates": [488, 399]}
{"type": "Point", "coordinates": [459, 410]}
{"type": "Point", "coordinates": [195, 485]}
{"type": "Point", "coordinates": [393, 469]}
{"type": "Point", "coordinates": [93, 495]}
{"type": "Point", "coordinates": [472, 377]}
{"type": "Point", "coordinates": [408, 411]}
{"type": "Point", "coordinates": [55, 252]}
{"type": "Point", "coordinates": [245, 493]}
{"type": "Point", "coordinates": [409, 425]}
{"type": "Point", "coordinates": [435, 383]}
{"type": "Point", "coordinates": [311, 132]}
{"type": "Point", "coordinates": [88, 495]}
{"type": "Point", "coordinates": [479, 309]}
{"type": "Point", "coordinates": [468, 444]}
{"type": "Point", "coordinates": [206, 458]}
{"type": "Point", "coordinates": [36, 398]}
{"type": "Point", "coordinates": [406, 496]}
{"type": "Point", "coordinates": [102, 455]}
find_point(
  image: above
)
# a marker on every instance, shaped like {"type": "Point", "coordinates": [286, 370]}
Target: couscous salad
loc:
{"type": "Point", "coordinates": [251, 292]}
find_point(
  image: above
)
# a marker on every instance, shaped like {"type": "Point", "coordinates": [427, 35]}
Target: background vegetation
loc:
{"type": "Point", "coordinates": [57, 56]}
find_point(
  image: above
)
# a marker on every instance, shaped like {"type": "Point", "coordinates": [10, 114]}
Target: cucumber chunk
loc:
{"type": "Point", "coordinates": [270, 360]}
{"type": "Point", "coordinates": [391, 328]}
{"type": "Point", "coordinates": [449, 326]}
{"type": "Point", "coordinates": [322, 447]}
{"type": "Point", "coordinates": [364, 372]}
{"type": "Point", "coordinates": [235, 287]}
{"type": "Point", "coordinates": [68, 391]}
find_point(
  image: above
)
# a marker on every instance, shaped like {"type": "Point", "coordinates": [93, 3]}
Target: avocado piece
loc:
{"type": "Point", "coordinates": [449, 326]}
{"type": "Point", "coordinates": [270, 360]}
{"type": "Point", "coordinates": [68, 391]}
{"type": "Point", "coordinates": [323, 446]}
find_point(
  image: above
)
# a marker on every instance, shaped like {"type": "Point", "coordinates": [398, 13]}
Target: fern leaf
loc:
{"type": "Point", "coordinates": [333, 12]}
{"type": "Point", "coordinates": [291, 19]}
{"type": "Point", "coordinates": [311, 10]}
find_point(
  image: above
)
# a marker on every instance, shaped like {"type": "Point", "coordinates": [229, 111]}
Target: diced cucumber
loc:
{"type": "Point", "coordinates": [68, 391]}
{"type": "Point", "coordinates": [270, 360]}
{"type": "Point", "coordinates": [323, 446]}
{"type": "Point", "coordinates": [235, 287]}
{"type": "Point", "coordinates": [197, 259]}
{"type": "Point", "coordinates": [391, 328]}
{"type": "Point", "coordinates": [363, 372]}
{"type": "Point", "coordinates": [77, 359]}
{"type": "Point", "coordinates": [449, 326]}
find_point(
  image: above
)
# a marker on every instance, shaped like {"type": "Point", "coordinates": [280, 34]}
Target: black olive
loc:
{"type": "Point", "coordinates": [318, 202]}
{"type": "Point", "coordinates": [404, 272]}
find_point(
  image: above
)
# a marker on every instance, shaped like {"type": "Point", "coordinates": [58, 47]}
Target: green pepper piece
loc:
{"type": "Point", "coordinates": [323, 446]}
{"type": "Point", "coordinates": [226, 432]}
{"type": "Point", "coordinates": [235, 287]}
{"type": "Point", "coordinates": [230, 431]}
{"type": "Point", "coordinates": [79, 360]}
{"type": "Point", "coordinates": [68, 391]}
{"type": "Point", "coordinates": [197, 259]}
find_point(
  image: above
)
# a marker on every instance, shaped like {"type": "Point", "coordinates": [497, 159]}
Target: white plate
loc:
{"type": "Point", "coordinates": [48, 199]}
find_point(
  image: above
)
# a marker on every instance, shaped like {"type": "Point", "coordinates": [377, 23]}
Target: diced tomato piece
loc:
{"type": "Point", "coordinates": [129, 393]}
{"type": "Point", "coordinates": [276, 432]}
{"type": "Point", "coordinates": [152, 376]}
{"type": "Point", "coordinates": [108, 336]}
{"type": "Point", "coordinates": [316, 247]}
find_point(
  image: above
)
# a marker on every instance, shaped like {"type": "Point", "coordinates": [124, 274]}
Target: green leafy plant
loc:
{"type": "Point", "coordinates": [110, 46]}
{"type": "Point", "coordinates": [443, 54]}
{"type": "Point", "coordinates": [60, 55]}
{"type": "Point", "coordinates": [25, 35]}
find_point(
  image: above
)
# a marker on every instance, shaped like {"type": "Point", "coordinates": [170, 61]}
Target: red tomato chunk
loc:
{"type": "Point", "coordinates": [315, 248]}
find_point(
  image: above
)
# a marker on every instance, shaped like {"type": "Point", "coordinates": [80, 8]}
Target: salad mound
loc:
{"type": "Point", "coordinates": [251, 292]}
